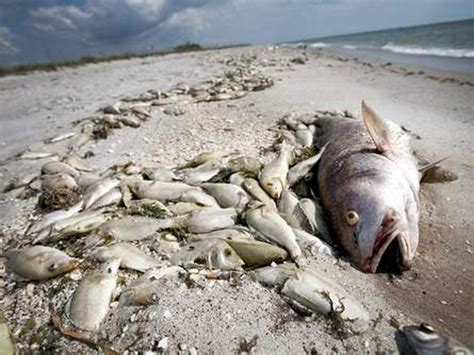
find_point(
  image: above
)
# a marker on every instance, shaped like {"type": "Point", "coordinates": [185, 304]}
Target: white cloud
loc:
{"type": "Point", "coordinates": [191, 20]}
{"type": "Point", "coordinates": [6, 38]}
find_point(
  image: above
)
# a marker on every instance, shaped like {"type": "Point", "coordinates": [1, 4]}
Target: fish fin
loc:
{"type": "Point", "coordinates": [433, 173]}
{"type": "Point", "coordinates": [377, 128]}
{"type": "Point", "coordinates": [430, 166]}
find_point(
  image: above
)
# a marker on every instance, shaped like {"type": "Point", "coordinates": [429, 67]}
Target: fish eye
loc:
{"type": "Point", "coordinates": [352, 218]}
{"type": "Point", "coordinates": [227, 252]}
{"type": "Point", "coordinates": [53, 267]}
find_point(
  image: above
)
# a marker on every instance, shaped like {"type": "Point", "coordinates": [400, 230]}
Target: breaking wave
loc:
{"type": "Point", "coordinates": [443, 52]}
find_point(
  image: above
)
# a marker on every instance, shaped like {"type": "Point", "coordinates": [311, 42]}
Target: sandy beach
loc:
{"type": "Point", "coordinates": [436, 107]}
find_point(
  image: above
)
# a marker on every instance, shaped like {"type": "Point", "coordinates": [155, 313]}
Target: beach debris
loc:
{"type": "Point", "coordinates": [34, 155]}
{"type": "Point", "coordinates": [60, 137]}
{"type": "Point", "coordinates": [423, 339]}
{"type": "Point", "coordinates": [39, 262]}
{"type": "Point", "coordinates": [91, 299]}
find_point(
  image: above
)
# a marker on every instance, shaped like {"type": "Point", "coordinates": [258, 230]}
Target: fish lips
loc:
{"type": "Point", "coordinates": [386, 235]}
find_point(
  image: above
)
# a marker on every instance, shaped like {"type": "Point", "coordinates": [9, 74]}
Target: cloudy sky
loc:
{"type": "Point", "coordinates": [45, 30]}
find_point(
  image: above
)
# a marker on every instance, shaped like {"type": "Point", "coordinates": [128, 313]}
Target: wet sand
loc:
{"type": "Point", "coordinates": [438, 289]}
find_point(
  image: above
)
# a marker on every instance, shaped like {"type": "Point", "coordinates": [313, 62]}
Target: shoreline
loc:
{"type": "Point", "coordinates": [439, 112]}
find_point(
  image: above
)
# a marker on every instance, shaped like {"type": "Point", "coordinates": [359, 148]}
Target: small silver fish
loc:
{"type": "Point", "coordinates": [90, 302]}
{"type": "Point", "coordinates": [39, 262]}
{"type": "Point", "coordinates": [131, 257]}
{"type": "Point", "coordinates": [212, 253]}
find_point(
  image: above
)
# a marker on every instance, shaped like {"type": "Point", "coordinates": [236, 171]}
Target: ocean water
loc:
{"type": "Point", "coordinates": [446, 46]}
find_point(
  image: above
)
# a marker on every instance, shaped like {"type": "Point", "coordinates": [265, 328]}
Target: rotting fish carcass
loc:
{"type": "Point", "coordinates": [369, 183]}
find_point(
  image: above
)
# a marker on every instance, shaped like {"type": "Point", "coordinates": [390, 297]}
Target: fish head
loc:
{"type": "Point", "coordinates": [57, 265]}
{"type": "Point", "coordinates": [111, 267]}
{"type": "Point", "coordinates": [223, 257]}
{"type": "Point", "coordinates": [377, 220]}
{"type": "Point", "coordinates": [274, 187]}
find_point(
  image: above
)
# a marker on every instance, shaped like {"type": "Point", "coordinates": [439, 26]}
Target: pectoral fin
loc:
{"type": "Point", "coordinates": [377, 128]}
{"type": "Point", "coordinates": [433, 173]}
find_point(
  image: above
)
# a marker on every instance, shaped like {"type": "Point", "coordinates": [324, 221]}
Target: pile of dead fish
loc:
{"type": "Point", "coordinates": [220, 213]}
{"type": "Point", "coordinates": [244, 76]}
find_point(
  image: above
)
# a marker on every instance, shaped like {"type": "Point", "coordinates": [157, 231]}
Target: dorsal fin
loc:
{"type": "Point", "coordinates": [377, 128]}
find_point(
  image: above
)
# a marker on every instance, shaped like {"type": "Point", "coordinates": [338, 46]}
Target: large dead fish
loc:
{"type": "Point", "coordinates": [369, 183]}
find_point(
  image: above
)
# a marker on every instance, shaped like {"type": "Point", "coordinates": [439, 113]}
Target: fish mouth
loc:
{"type": "Point", "coordinates": [390, 252]}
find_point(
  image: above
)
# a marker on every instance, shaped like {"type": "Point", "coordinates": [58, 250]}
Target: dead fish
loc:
{"type": "Point", "coordinates": [51, 218]}
{"type": "Point", "coordinates": [243, 164]}
{"type": "Point", "coordinates": [313, 244]}
{"type": "Point", "coordinates": [149, 208]}
{"type": "Point", "coordinates": [437, 174]}
{"type": "Point", "coordinates": [113, 197]}
{"type": "Point", "coordinates": [182, 208]}
{"type": "Point", "coordinates": [6, 343]}
{"type": "Point", "coordinates": [79, 140]}
{"type": "Point", "coordinates": [131, 257]}
{"type": "Point", "coordinates": [61, 137]}
{"type": "Point", "coordinates": [227, 195]}
{"type": "Point", "coordinates": [130, 121]}
{"type": "Point", "coordinates": [76, 226]}
{"type": "Point", "coordinates": [145, 290]}
{"type": "Point", "coordinates": [205, 157]}
{"type": "Point", "coordinates": [32, 155]}
{"type": "Point", "coordinates": [255, 253]}
{"type": "Point", "coordinates": [90, 302]}
{"type": "Point", "coordinates": [237, 179]}
{"type": "Point", "coordinates": [97, 190]}
{"type": "Point", "coordinates": [271, 227]}
{"type": "Point", "coordinates": [112, 109]}
{"type": "Point", "coordinates": [236, 233]}
{"type": "Point", "coordinates": [159, 174]}
{"type": "Point", "coordinates": [304, 137]}
{"type": "Point", "coordinates": [290, 210]}
{"type": "Point", "coordinates": [160, 190]}
{"type": "Point", "coordinates": [206, 220]}
{"type": "Point", "coordinates": [213, 254]}
{"type": "Point", "coordinates": [199, 197]}
{"type": "Point", "coordinates": [56, 167]}
{"type": "Point", "coordinates": [58, 181]}
{"type": "Point", "coordinates": [39, 262]}
{"type": "Point", "coordinates": [201, 173]}
{"type": "Point", "coordinates": [316, 218]}
{"type": "Point", "coordinates": [369, 185]}
{"type": "Point", "coordinates": [320, 294]}
{"type": "Point", "coordinates": [274, 174]}
{"type": "Point", "coordinates": [302, 169]}
{"type": "Point", "coordinates": [255, 190]}
{"type": "Point", "coordinates": [131, 228]}
{"type": "Point", "coordinates": [275, 275]}
{"type": "Point", "coordinates": [78, 163]}
{"type": "Point", "coordinates": [424, 340]}
{"type": "Point", "coordinates": [16, 183]}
